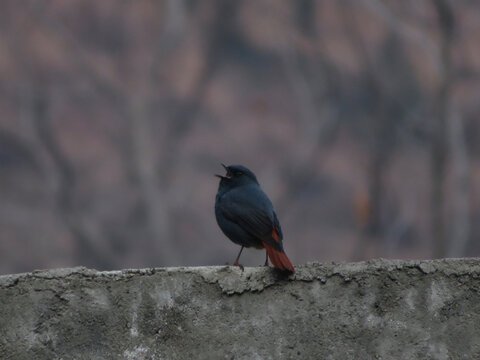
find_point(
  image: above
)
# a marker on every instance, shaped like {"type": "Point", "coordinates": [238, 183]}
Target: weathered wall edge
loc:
{"type": "Point", "coordinates": [259, 278]}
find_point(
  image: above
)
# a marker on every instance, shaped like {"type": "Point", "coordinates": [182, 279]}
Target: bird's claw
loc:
{"type": "Point", "coordinates": [239, 265]}
{"type": "Point", "coordinates": [236, 264]}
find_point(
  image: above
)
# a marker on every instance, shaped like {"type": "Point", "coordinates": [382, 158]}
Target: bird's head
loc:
{"type": "Point", "coordinates": [237, 175]}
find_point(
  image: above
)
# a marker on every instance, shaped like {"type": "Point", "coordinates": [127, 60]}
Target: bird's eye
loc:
{"type": "Point", "coordinates": [238, 173]}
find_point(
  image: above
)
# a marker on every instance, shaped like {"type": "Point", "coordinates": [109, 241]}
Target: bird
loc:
{"type": "Point", "coordinates": [246, 216]}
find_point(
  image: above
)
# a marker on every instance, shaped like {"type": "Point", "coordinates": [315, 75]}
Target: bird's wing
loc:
{"type": "Point", "coordinates": [276, 226]}
{"type": "Point", "coordinates": [250, 208]}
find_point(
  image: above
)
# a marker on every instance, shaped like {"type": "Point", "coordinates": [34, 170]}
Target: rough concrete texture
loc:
{"type": "Point", "coordinates": [378, 309]}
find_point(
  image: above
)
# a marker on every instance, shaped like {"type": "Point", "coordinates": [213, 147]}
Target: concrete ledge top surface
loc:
{"type": "Point", "coordinates": [233, 280]}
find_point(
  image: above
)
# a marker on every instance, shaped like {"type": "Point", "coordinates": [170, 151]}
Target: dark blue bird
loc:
{"type": "Point", "coordinates": [246, 216]}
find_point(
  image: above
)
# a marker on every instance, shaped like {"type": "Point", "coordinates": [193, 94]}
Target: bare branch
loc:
{"type": "Point", "coordinates": [460, 213]}
{"type": "Point", "coordinates": [85, 231]}
{"type": "Point", "coordinates": [406, 31]}
{"type": "Point", "coordinates": [439, 128]}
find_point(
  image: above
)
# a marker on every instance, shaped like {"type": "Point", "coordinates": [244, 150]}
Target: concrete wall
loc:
{"type": "Point", "coordinates": [378, 309]}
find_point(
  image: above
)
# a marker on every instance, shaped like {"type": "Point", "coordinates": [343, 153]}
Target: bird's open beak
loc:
{"type": "Point", "coordinates": [227, 176]}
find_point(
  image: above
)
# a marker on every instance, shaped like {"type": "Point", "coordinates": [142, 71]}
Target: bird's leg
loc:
{"type": "Point", "coordinates": [238, 258]}
{"type": "Point", "coordinates": [266, 258]}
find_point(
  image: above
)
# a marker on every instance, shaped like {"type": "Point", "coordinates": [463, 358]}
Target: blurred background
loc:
{"type": "Point", "coordinates": [359, 117]}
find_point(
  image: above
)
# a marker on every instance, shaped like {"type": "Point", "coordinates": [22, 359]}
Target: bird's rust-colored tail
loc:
{"type": "Point", "coordinates": [279, 259]}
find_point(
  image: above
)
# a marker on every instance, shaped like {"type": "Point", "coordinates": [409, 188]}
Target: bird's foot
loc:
{"type": "Point", "coordinates": [236, 263]}
{"type": "Point", "coordinates": [266, 258]}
